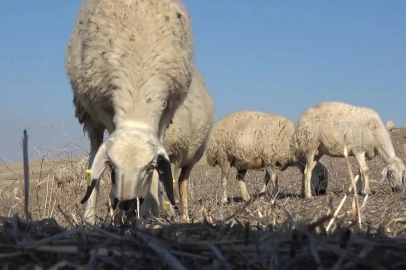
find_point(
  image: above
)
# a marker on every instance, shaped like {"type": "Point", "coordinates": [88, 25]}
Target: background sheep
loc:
{"type": "Point", "coordinates": [252, 140]}
{"type": "Point", "coordinates": [390, 125]}
{"type": "Point", "coordinates": [329, 126]}
{"type": "Point", "coordinates": [130, 64]}
{"type": "Point", "coordinates": [185, 138]}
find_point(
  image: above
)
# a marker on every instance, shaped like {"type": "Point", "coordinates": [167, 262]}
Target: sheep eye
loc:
{"type": "Point", "coordinates": [150, 168]}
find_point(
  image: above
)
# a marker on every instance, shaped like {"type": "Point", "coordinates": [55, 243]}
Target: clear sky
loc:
{"type": "Point", "coordinates": [273, 56]}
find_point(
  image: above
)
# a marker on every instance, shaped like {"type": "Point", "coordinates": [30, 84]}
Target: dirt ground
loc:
{"type": "Point", "coordinates": [60, 198]}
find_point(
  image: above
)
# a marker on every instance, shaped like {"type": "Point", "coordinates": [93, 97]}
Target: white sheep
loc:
{"type": "Point", "coordinates": [185, 138]}
{"type": "Point", "coordinates": [390, 125]}
{"type": "Point", "coordinates": [328, 127]}
{"type": "Point", "coordinates": [254, 140]}
{"type": "Point", "coordinates": [130, 65]}
{"type": "Point", "coordinates": [185, 141]}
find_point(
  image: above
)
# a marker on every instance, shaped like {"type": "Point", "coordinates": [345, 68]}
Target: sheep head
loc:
{"type": "Point", "coordinates": [133, 154]}
{"type": "Point", "coordinates": [395, 173]}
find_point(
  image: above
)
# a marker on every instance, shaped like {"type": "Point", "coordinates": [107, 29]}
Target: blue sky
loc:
{"type": "Point", "coordinates": [273, 56]}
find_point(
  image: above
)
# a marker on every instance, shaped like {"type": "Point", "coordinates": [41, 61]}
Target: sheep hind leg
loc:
{"type": "Point", "coordinates": [270, 174]}
{"type": "Point", "coordinates": [267, 177]}
{"type": "Point", "coordinates": [96, 139]}
{"type": "Point", "coordinates": [243, 187]}
{"type": "Point", "coordinates": [183, 192]}
{"type": "Point", "coordinates": [307, 176]}
{"type": "Point", "coordinates": [274, 177]}
{"type": "Point", "coordinates": [364, 171]}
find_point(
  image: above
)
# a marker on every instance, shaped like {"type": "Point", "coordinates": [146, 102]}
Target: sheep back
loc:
{"type": "Point", "coordinates": [121, 52]}
{"type": "Point", "coordinates": [250, 140]}
{"type": "Point", "coordinates": [185, 138]}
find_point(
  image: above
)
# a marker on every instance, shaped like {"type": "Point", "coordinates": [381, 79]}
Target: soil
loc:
{"type": "Point", "coordinates": [58, 199]}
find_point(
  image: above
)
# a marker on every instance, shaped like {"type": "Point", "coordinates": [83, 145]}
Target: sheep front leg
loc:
{"type": "Point", "coordinates": [365, 171]}
{"type": "Point", "coordinates": [152, 200]}
{"type": "Point", "coordinates": [183, 192]}
{"type": "Point", "coordinates": [96, 139]}
{"type": "Point", "coordinates": [112, 206]}
{"type": "Point", "coordinates": [225, 171]}
{"type": "Point", "coordinates": [90, 206]}
{"type": "Point", "coordinates": [175, 170]}
{"type": "Point", "coordinates": [307, 176]}
{"type": "Point", "coordinates": [243, 187]}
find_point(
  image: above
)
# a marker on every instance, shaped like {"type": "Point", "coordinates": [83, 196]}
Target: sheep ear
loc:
{"type": "Point", "coordinates": [165, 174]}
{"type": "Point", "coordinates": [384, 173]}
{"type": "Point", "coordinates": [98, 167]}
{"type": "Point", "coordinates": [99, 162]}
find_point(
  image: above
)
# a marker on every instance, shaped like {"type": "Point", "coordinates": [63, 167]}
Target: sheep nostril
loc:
{"type": "Point", "coordinates": [129, 206]}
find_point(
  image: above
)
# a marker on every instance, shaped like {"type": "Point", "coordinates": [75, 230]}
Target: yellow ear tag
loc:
{"type": "Point", "coordinates": [89, 177]}
{"type": "Point", "coordinates": [166, 206]}
{"type": "Point", "coordinates": [174, 181]}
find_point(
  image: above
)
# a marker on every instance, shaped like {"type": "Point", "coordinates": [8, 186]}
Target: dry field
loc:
{"type": "Point", "coordinates": [56, 196]}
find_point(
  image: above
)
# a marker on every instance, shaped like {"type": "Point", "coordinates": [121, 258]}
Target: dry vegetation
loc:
{"type": "Point", "coordinates": [286, 232]}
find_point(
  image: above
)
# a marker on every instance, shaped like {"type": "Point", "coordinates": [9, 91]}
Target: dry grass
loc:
{"type": "Point", "coordinates": [287, 232]}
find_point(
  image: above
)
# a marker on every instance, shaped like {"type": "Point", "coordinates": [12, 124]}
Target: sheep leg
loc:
{"type": "Point", "coordinates": [96, 139]}
{"type": "Point", "coordinates": [270, 175]}
{"type": "Point", "coordinates": [267, 177]}
{"type": "Point", "coordinates": [241, 183]}
{"type": "Point", "coordinates": [365, 171]}
{"type": "Point", "coordinates": [225, 171]}
{"type": "Point", "coordinates": [274, 177]}
{"type": "Point", "coordinates": [175, 170]}
{"type": "Point", "coordinates": [183, 192]}
{"type": "Point", "coordinates": [307, 176]}
{"type": "Point", "coordinates": [152, 200]}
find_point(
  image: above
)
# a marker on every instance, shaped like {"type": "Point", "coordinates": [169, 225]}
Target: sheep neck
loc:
{"type": "Point", "coordinates": [141, 103]}
{"type": "Point", "coordinates": [386, 152]}
{"type": "Point", "coordinates": [147, 117]}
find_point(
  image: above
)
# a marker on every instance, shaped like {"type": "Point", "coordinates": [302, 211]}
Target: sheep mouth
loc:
{"type": "Point", "coordinates": [128, 206]}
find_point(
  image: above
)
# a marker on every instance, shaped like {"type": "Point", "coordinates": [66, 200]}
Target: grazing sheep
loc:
{"type": "Point", "coordinates": [253, 140]}
{"type": "Point", "coordinates": [328, 127]}
{"type": "Point", "coordinates": [390, 125]}
{"type": "Point", "coordinates": [130, 65]}
{"type": "Point", "coordinates": [185, 139]}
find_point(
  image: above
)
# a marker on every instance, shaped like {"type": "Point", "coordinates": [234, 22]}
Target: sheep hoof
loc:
{"type": "Point", "coordinates": [185, 218]}
{"type": "Point", "coordinates": [367, 192]}
{"type": "Point", "coordinates": [396, 189]}
{"type": "Point", "coordinates": [236, 199]}
{"type": "Point", "coordinates": [306, 196]}
{"type": "Point", "coordinates": [320, 192]}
